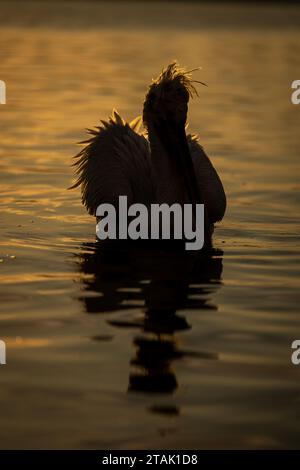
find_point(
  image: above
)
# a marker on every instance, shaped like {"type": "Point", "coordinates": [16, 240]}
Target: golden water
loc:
{"type": "Point", "coordinates": [86, 367]}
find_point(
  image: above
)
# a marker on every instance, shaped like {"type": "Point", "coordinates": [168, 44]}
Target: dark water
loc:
{"type": "Point", "coordinates": [135, 349]}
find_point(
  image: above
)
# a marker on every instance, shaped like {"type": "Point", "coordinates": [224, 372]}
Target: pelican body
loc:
{"type": "Point", "coordinates": [162, 164]}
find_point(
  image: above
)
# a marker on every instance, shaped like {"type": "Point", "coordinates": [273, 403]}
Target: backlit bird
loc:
{"type": "Point", "coordinates": [160, 165]}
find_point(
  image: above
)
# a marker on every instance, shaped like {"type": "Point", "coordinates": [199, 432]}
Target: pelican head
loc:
{"type": "Point", "coordinates": [168, 96]}
{"type": "Point", "coordinates": [164, 117]}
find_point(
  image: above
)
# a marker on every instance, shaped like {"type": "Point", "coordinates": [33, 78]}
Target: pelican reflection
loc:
{"type": "Point", "coordinates": [159, 285]}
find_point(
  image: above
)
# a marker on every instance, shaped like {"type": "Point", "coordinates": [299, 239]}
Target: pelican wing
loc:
{"type": "Point", "coordinates": [115, 162]}
{"type": "Point", "coordinates": [208, 180]}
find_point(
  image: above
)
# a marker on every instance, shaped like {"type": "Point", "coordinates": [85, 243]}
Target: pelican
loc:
{"type": "Point", "coordinates": [161, 164]}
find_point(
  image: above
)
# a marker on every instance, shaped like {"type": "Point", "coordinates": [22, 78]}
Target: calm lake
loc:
{"type": "Point", "coordinates": [119, 350]}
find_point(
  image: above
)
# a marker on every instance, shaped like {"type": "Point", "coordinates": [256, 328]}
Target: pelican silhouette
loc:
{"type": "Point", "coordinates": [160, 165]}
